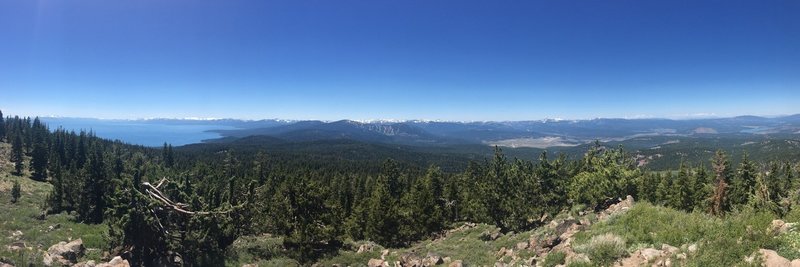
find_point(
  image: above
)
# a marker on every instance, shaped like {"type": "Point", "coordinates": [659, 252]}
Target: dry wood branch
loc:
{"type": "Point", "coordinates": [156, 194]}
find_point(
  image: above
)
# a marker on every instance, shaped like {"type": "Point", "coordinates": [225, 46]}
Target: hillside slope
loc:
{"type": "Point", "coordinates": [624, 234]}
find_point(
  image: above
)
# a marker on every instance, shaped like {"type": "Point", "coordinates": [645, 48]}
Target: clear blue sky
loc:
{"type": "Point", "coordinates": [449, 60]}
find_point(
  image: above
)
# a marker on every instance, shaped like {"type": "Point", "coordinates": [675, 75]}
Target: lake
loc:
{"type": "Point", "coordinates": [143, 132]}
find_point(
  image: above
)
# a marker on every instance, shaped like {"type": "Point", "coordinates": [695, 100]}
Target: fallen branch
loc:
{"type": "Point", "coordinates": [156, 194]}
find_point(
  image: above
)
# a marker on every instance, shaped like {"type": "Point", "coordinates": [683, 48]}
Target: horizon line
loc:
{"type": "Point", "coordinates": [698, 116]}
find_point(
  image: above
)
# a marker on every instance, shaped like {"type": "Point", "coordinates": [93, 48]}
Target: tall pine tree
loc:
{"type": "Point", "coordinates": [2, 127]}
{"type": "Point", "coordinates": [718, 203]}
{"type": "Point", "coordinates": [17, 154]}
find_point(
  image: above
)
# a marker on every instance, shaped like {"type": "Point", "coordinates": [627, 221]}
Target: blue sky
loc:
{"type": "Point", "coordinates": [447, 60]}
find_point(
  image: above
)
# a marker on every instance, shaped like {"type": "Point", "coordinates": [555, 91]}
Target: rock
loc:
{"type": "Point", "coordinates": [410, 259]}
{"type": "Point", "coordinates": [366, 247]}
{"type": "Point", "coordinates": [501, 252]}
{"type": "Point", "coordinates": [795, 263]}
{"type": "Point", "coordinates": [53, 227]}
{"type": "Point", "coordinates": [670, 250]}
{"type": "Point", "coordinates": [643, 257]}
{"type": "Point", "coordinates": [376, 263]}
{"type": "Point", "coordinates": [250, 265]}
{"type": "Point", "coordinates": [456, 263]}
{"type": "Point", "coordinates": [17, 245]}
{"type": "Point", "coordinates": [617, 208]}
{"type": "Point", "coordinates": [550, 242]}
{"type": "Point", "coordinates": [16, 234]}
{"type": "Point", "coordinates": [447, 259]}
{"type": "Point", "coordinates": [650, 254]}
{"type": "Point", "coordinates": [64, 253]}
{"type": "Point", "coordinates": [490, 236]}
{"type": "Point", "coordinates": [495, 235]}
{"type": "Point", "coordinates": [681, 256]}
{"type": "Point", "coordinates": [772, 259]}
{"type": "Point", "coordinates": [692, 248]}
{"type": "Point", "coordinates": [384, 253]}
{"type": "Point", "coordinates": [565, 226]}
{"type": "Point", "coordinates": [85, 264]}
{"type": "Point", "coordinates": [780, 227]}
{"type": "Point", "coordinates": [432, 259]}
{"type": "Point", "coordinates": [119, 262]}
{"type": "Point", "coordinates": [522, 245]}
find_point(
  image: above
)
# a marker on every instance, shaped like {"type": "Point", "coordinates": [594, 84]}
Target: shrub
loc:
{"type": "Point", "coordinates": [15, 192]}
{"type": "Point", "coordinates": [604, 249]}
{"type": "Point", "coordinates": [581, 264]}
{"type": "Point", "coordinates": [554, 258]}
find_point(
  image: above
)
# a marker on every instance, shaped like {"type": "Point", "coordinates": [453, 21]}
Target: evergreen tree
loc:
{"type": "Point", "coordinates": [761, 200]}
{"type": "Point", "coordinates": [93, 199]}
{"type": "Point", "coordinates": [391, 173]}
{"type": "Point", "coordinates": [382, 221]}
{"type": "Point", "coordinates": [310, 222]}
{"type": "Point", "coordinates": [555, 193]}
{"type": "Point", "coordinates": [664, 189]}
{"type": "Point", "coordinates": [56, 198]}
{"type": "Point", "coordinates": [719, 203]}
{"type": "Point", "coordinates": [608, 174]}
{"type": "Point", "coordinates": [743, 183]}
{"type": "Point", "coordinates": [647, 185]}
{"type": "Point", "coordinates": [39, 155]}
{"type": "Point", "coordinates": [2, 127]}
{"type": "Point", "coordinates": [167, 156]}
{"type": "Point", "coordinates": [17, 154]}
{"type": "Point", "coordinates": [702, 184]}
{"type": "Point", "coordinates": [426, 205]}
{"type": "Point", "coordinates": [16, 192]}
{"type": "Point", "coordinates": [682, 190]}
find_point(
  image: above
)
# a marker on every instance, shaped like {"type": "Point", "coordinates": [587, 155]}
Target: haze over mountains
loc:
{"type": "Point", "coordinates": [537, 134]}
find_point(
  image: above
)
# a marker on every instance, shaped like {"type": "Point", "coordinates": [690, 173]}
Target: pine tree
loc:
{"type": "Point", "coordinates": [609, 174]}
{"type": "Point", "coordinates": [743, 183]}
{"type": "Point", "coordinates": [383, 224]}
{"type": "Point", "coordinates": [39, 155]}
{"type": "Point", "coordinates": [17, 154]}
{"type": "Point", "coordinates": [702, 187]}
{"type": "Point", "coordinates": [56, 198]}
{"type": "Point", "coordinates": [426, 211]}
{"type": "Point", "coordinates": [682, 190]}
{"type": "Point", "coordinates": [664, 189]}
{"type": "Point", "coordinates": [719, 203]}
{"type": "Point", "coordinates": [761, 199]}
{"type": "Point", "coordinates": [391, 173]}
{"type": "Point", "coordinates": [167, 156]}
{"type": "Point", "coordinates": [2, 127]}
{"type": "Point", "coordinates": [93, 201]}
{"type": "Point", "coordinates": [15, 192]}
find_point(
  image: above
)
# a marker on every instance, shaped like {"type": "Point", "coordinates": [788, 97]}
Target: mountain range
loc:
{"type": "Point", "coordinates": [537, 134]}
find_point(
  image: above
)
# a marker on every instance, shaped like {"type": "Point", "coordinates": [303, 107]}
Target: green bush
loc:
{"type": "Point", "coordinates": [554, 258]}
{"type": "Point", "coordinates": [15, 192]}
{"type": "Point", "coordinates": [721, 241]}
{"type": "Point", "coordinates": [604, 249]}
{"type": "Point", "coordinates": [581, 264]}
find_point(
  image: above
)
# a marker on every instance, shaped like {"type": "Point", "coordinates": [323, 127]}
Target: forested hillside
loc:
{"type": "Point", "coordinates": [189, 205]}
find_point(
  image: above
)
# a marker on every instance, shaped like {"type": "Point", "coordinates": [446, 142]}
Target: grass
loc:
{"type": "Point", "coordinates": [721, 241]}
{"type": "Point", "coordinates": [554, 258]}
{"type": "Point", "coordinates": [22, 217]}
{"type": "Point", "coordinates": [603, 249]}
{"type": "Point", "coordinates": [263, 250]}
{"type": "Point", "coordinates": [467, 245]}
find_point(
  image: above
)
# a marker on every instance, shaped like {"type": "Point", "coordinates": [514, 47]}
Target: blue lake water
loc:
{"type": "Point", "coordinates": [142, 132]}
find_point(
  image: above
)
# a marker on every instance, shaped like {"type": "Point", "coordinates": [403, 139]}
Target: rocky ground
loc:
{"type": "Point", "coordinates": [555, 245]}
